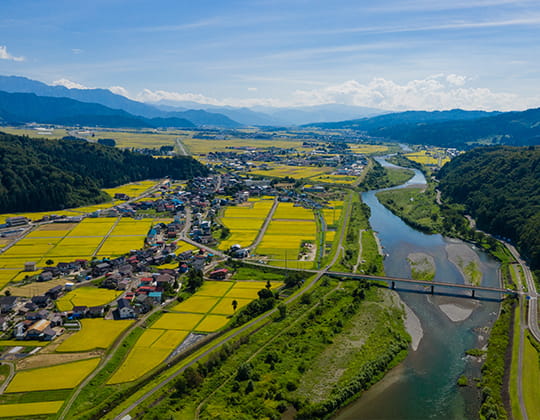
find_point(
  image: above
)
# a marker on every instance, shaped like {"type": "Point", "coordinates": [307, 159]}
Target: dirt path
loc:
{"type": "Point", "coordinates": [181, 149]}
{"type": "Point", "coordinates": [359, 259]}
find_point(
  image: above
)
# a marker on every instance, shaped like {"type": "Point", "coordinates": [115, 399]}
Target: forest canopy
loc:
{"type": "Point", "coordinates": [500, 187]}
{"type": "Point", "coordinates": [41, 175]}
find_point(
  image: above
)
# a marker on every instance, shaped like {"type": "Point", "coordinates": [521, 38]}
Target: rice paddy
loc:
{"type": "Point", "coordinates": [86, 296]}
{"type": "Point", "coordinates": [30, 409]}
{"type": "Point", "coordinates": [244, 222]}
{"type": "Point", "coordinates": [280, 171]}
{"type": "Point", "coordinates": [367, 149]}
{"type": "Point", "coordinates": [64, 376]}
{"type": "Point", "coordinates": [427, 157]}
{"type": "Point", "coordinates": [95, 333]}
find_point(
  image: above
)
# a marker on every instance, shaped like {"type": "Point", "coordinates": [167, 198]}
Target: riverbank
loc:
{"type": "Point", "coordinates": [466, 261]}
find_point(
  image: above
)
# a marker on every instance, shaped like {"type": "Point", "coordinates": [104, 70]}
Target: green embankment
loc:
{"type": "Point", "coordinates": [531, 377]}
{"type": "Point", "coordinates": [514, 367]}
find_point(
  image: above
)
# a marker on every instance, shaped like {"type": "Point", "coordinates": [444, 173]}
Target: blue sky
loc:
{"type": "Point", "coordinates": [412, 54]}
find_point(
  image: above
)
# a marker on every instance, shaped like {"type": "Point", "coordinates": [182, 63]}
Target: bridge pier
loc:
{"type": "Point", "coordinates": [473, 291]}
{"type": "Point", "coordinates": [393, 285]}
{"type": "Point", "coordinates": [432, 289]}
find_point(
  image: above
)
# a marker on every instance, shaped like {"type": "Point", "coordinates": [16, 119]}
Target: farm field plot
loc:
{"type": "Point", "coordinates": [202, 147]}
{"type": "Point", "coordinates": [177, 321]}
{"type": "Point", "coordinates": [428, 158]}
{"type": "Point", "coordinates": [138, 139]}
{"type": "Point", "coordinates": [7, 275]}
{"type": "Point", "coordinates": [292, 171]}
{"type": "Point", "coordinates": [133, 189]}
{"type": "Point", "coordinates": [290, 211]}
{"type": "Point", "coordinates": [224, 307]}
{"type": "Point", "coordinates": [30, 409]}
{"type": "Point", "coordinates": [62, 376]}
{"type": "Point", "coordinates": [212, 323]}
{"type": "Point", "coordinates": [86, 296]}
{"type": "Point", "coordinates": [197, 304]}
{"type": "Point", "coordinates": [75, 247]}
{"type": "Point", "coordinates": [367, 149]}
{"type": "Point", "coordinates": [94, 226]}
{"type": "Point", "coordinates": [119, 245]}
{"type": "Point", "coordinates": [214, 288]}
{"type": "Point", "coordinates": [243, 293]}
{"type": "Point", "coordinates": [52, 230]}
{"type": "Point", "coordinates": [335, 179]}
{"type": "Point", "coordinates": [35, 289]}
{"type": "Point", "coordinates": [244, 222]}
{"type": "Point", "coordinates": [95, 333]}
{"type": "Point", "coordinates": [149, 351]}
{"type": "Point", "coordinates": [132, 227]}
{"type": "Point", "coordinates": [31, 247]}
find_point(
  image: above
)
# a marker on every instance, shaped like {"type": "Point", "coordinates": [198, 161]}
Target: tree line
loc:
{"type": "Point", "coordinates": [42, 175]}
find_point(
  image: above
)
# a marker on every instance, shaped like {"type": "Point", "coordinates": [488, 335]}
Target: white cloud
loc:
{"type": "Point", "coordinates": [76, 50]}
{"type": "Point", "coordinates": [4, 55]}
{"type": "Point", "coordinates": [436, 92]}
{"type": "Point", "coordinates": [69, 84]}
{"type": "Point", "coordinates": [252, 89]}
{"type": "Point", "coordinates": [119, 90]}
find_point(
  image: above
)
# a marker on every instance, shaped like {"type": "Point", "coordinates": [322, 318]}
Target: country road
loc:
{"type": "Point", "coordinates": [267, 221]}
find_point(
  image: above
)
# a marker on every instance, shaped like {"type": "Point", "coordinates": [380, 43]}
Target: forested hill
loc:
{"type": "Point", "coordinates": [500, 186]}
{"type": "Point", "coordinates": [40, 174]}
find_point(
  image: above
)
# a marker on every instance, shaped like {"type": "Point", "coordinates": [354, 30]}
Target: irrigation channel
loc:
{"type": "Point", "coordinates": [424, 385]}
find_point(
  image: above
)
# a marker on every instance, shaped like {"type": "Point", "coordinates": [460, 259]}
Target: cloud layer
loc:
{"type": "Point", "coordinates": [4, 55]}
{"type": "Point", "coordinates": [437, 92]}
{"type": "Point", "coordinates": [69, 84]}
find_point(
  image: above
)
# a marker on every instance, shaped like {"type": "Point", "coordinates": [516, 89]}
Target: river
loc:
{"type": "Point", "coordinates": [424, 385]}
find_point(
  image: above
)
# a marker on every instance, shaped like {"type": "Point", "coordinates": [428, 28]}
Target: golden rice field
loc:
{"type": "Point", "coordinates": [95, 333]}
{"type": "Point", "coordinates": [332, 215]}
{"type": "Point", "coordinates": [335, 179]}
{"type": "Point", "coordinates": [224, 306]}
{"type": "Point", "coordinates": [30, 409]}
{"type": "Point", "coordinates": [30, 343]}
{"type": "Point", "coordinates": [428, 158]}
{"type": "Point", "coordinates": [280, 171]}
{"type": "Point", "coordinates": [244, 222]}
{"type": "Point", "coordinates": [94, 226]}
{"type": "Point", "coordinates": [243, 293]}
{"type": "Point", "coordinates": [119, 245]}
{"type": "Point", "coordinates": [212, 323]}
{"type": "Point", "coordinates": [367, 149]}
{"type": "Point", "coordinates": [215, 288]}
{"type": "Point", "coordinates": [86, 296]}
{"type": "Point", "coordinates": [176, 321]}
{"type": "Point", "coordinates": [149, 351]}
{"type": "Point", "coordinates": [196, 304]}
{"type": "Point", "coordinates": [290, 211]}
{"type": "Point", "coordinates": [57, 133]}
{"type": "Point", "coordinates": [64, 376]}
{"type": "Point", "coordinates": [7, 275]}
{"type": "Point", "coordinates": [52, 230]}
{"type": "Point", "coordinates": [137, 139]}
{"type": "Point", "coordinates": [127, 226]}
{"type": "Point", "coordinates": [132, 190]}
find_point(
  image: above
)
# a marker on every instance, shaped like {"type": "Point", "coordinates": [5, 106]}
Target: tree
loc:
{"type": "Point", "coordinates": [268, 285]}
{"type": "Point", "coordinates": [282, 310]}
{"type": "Point", "coordinates": [234, 305]}
{"type": "Point", "coordinates": [49, 262]}
{"type": "Point", "coordinates": [265, 294]}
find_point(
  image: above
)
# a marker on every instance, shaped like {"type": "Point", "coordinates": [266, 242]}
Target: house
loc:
{"type": "Point", "coordinates": [220, 274]}
{"type": "Point", "coordinates": [57, 320]}
{"type": "Point", "coordinates": [45, 276]}
{"type": "Point", "coordinates": [101, 269]}
{"type": "Point", "coordinates": [30, 266]}
{"type": "Point", "coordinates": [241, 253]}
{"type": "Point", "coordinates": [95, 311]}
{"type": "Point", "coordinates": [41, 301]}
{"type": "Point", "coordinates": [124, 310]}
{"type": "Point", "coordinates": [156, 296]}
{"type": "Point", "coordinates": [7, 303]}
{"type": "Point", "coordinates": [3, 324]}
{"type": "Point", "coordinates": [54, 292]}
{"type": "Point", "coordinates": [17, 221]}
{"type": "Point", "coordinates": [123, 284]}
{"type": "Point", "coordinates": [79, 312]}
{"type": "Point", "coordinates": [48, 334]}
{"type": "Point", "coordinates": [36, 330]}
{"type": "Point", "coordinates": [164, 280]}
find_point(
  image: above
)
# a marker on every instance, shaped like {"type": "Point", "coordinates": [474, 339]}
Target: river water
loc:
{"type": "Point", "coordinates": [424, 386]}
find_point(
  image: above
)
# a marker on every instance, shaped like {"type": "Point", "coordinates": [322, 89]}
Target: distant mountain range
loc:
{"type": "Point", "coordinates": [455, 128]}
{"type": "Point", "coordinates": [201, 115]}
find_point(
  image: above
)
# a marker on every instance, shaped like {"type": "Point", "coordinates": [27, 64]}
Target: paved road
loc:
{"type": "Point", "coordinates": [533, 296]}
{"type": "Point", "coordinates": [181, 149]}
{"type": "Point", "coordinates": [262, 231]}
{"type": "Point", "coordinates": [9, 378]}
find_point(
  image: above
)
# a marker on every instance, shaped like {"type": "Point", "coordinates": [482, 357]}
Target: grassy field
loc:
{"type": "Point", "coordinates": [86, 296]}
{"type": "Point", "coordinates": [531, 378]}
{"type": "Point", "coordinates": [63, 376]}
{"type": "Point", "coordinates": [95, 333]}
